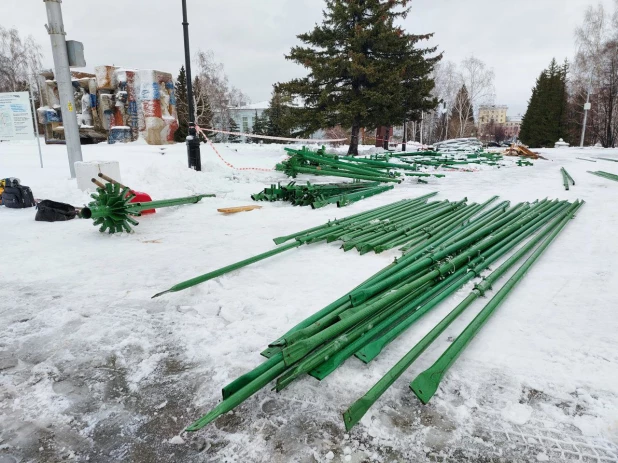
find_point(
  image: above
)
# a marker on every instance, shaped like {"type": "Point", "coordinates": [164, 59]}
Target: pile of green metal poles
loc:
{"type": "Point", "coordinates": [363, 321]}
{"type": "Point", "coordinates": [425, 385]}
{"type": "Point", "coordinates": [607, 175]}
{"type": "Point", "coordinates": [305, 161]}
{"type": "Point", "coordinates": [566, 178]}
{"type": "Point", "coordinates": [320, 195]}
{"type": "Point", "coordinates": [406, 223]}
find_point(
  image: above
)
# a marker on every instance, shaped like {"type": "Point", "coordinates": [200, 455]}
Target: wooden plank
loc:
{"type": "Point", "coordinates": [233, 210]}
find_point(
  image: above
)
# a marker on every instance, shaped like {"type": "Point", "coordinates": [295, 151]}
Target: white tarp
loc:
{"type": "Point", "coordinates": [15, 116]}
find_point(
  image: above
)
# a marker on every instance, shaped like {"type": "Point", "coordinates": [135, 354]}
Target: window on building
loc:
{"type": "Point", "coordinates": [245, 124]}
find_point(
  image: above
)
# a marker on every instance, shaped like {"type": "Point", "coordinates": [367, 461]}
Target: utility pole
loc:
{"type": "Point", "coordinates": [587, 107]}
{"type": "Point", "coordinates": [193, 141]}
{"type": "Point", "coordinates": [62, 73]}
{"type": "Point", "coordinates": [405, 135]}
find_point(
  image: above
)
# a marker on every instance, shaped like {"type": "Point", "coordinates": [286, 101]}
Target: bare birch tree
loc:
{"type": "Point", "coordinates": [215, 87]}
{"type": "Point", "coordinates": [20, 60]}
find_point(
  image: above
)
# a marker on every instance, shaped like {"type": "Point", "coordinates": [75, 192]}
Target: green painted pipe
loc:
{"type": "Point", "coordinates": [413, 250]}
{"type": "Point", "coordinates": [442, 210]}
{"type": "Point", "coordinates": [606, 175]}
{"type": "Point", "coordinates": [481, 262]}
{"type": "Point", "coordinates": [608, 159]}
{"type": "Point", "coordinates": [566, 178]}
{"type": "Point", "coordinates": [336, 173]}
{"type": "Point", "coordinates": [350, 198]}
{"type": "Point", "coordinates": [357, 410]}
{"type": "Point", "coordinates": [344, 166]}
{"type": "Point", "coordinates": [362, 295]}
{"type": "Point", "coordinates": [373, 162]}
{"type": "Point", "coordinates": [413, 224]}
{"type": "Point", "coordinates": [371, 221]}
{"type": "Point", "coordinates": [582, 159]}
{"type": "Point", "coordinates": [242, 394]}
{"type": "Point", "coordinates": [229, 268]}
{"type": "Point", "coordinates": [283, 239]}
{"type": "Point", "coordinates": [458, 219]}
{"type": "Point", "coordinates": [426, 384]}
{"type": "Point", "coordinates": [322, 354]}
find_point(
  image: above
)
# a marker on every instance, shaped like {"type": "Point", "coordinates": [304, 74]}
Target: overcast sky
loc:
{"type": "Point", "coordinates": [517, 38]}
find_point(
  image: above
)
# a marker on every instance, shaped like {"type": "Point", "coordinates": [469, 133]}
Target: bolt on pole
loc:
{"type": "Point", "coordinates": [193, 141]}
{"type": "Point", "coordinates": [62, 73]}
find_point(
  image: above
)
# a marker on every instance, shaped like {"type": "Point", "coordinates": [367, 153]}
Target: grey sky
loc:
{"type": "Point", "coordinates": [517, 38]}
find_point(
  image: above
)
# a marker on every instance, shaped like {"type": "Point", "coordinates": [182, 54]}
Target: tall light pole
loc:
{"type": "Point", "coordinates": [62, 73]}
{"type": "Point", "coordinates": [193, 141]}
{"type": "Point", "coordinates": [587, 107]}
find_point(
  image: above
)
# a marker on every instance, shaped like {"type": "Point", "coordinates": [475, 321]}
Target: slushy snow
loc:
{"type": "Point", "coordinates": [93, 369]}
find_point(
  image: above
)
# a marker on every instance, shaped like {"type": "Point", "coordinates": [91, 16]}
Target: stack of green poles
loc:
{"type": "Point", "coordinates": [305, 161]}
{"type": "Point", "coordinates": [365, 320]}
{"type": "Point", "coordinates": [407, 223]}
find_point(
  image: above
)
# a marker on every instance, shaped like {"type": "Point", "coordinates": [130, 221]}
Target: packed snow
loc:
{"type": "Point", "coordinates": [93, 369]}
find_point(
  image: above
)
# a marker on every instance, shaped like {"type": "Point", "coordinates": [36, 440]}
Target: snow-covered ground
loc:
{"type": "Point", "coordinates": [93, 369]}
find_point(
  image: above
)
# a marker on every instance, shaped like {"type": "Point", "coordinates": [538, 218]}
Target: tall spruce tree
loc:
{"type": "Point", "coordinates": [233, 128]}
{"type": "Point", "coordinates": [545, 121]}
{"type": "Point", "coordinates": [259, 125]}
{"type": "Point", "coordinates": [364, 71]}
{"type": "Point", "coordinates": [182, 108]}
{"type": "Point", "coordinates": [278, 116]}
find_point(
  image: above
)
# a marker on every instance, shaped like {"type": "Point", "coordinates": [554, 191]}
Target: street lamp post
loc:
{"type": "Point", "coordinates": [193, 141]}
{"type": "Point", "coordinates": [587, 107]}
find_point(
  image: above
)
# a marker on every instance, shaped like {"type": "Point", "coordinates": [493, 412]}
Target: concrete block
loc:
{"type": "Point", "coordinates": [84, 171]}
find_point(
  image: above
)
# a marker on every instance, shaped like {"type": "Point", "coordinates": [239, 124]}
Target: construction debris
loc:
{"type": "Point", "coordinates": [520, 150]}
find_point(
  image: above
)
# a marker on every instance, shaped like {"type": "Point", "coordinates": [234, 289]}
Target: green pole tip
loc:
{"type": "Point", "coordinates": [425, 386]}
{"type": "Point", "coordinates": [161, 294]}
{"type": "Point", "coordinates": [354, 414]}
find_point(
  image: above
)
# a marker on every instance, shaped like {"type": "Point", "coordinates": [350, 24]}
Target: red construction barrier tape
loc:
{"type": "Point", "coordinates": [200, 131]}
{"type": "Point", "coordinates": [268, 137]}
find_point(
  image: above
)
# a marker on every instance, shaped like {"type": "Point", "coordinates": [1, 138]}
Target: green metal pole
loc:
{"type": "Point", "coordinates": [426, 384]}
{"type": "Point", "coordinates": [229, 268]}
{"type": "Point", "coordinates": [357, 410]}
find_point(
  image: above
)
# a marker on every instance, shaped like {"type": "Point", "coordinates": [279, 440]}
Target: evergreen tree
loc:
{"type": "Point", "coordinates": [545, 121]}
{"type": "Point", "coordinates": [182, 110]}
{"type": "Point", "coordinates": [278, 116]}
{"type": "Point", "coordinates": [461, 122]}
{"type": "Point", "coordinates": [259, 125]}
{"type": "Point", "coordinates": [233, 128]}
{"type": "Point", "coordinates": [364, 71]}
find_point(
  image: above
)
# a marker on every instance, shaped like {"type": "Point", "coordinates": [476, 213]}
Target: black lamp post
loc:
{"type": "Point", "coordinates": [193, 141]}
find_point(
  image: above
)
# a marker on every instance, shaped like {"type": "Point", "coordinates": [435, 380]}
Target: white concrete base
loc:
{"type": "Point", "coordinates": [84, 171]}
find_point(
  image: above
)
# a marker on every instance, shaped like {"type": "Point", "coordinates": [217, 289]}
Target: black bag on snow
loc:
{"type": "Point", "coordinates": [51, 211]}
{"type": "Point", "coordinates": [17, 196]}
